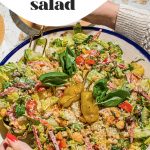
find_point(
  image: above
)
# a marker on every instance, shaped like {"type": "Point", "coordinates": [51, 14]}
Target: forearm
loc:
{"type": "Point", "coordinates": [132, 22]}
{"type": "Point", "coordinates": [104, 15]}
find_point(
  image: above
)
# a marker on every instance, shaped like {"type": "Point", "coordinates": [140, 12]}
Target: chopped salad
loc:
{"type": "Point", "coordinates": [80, 95]}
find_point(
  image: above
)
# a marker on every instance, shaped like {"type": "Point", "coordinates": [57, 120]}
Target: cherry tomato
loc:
{"type": "Point", "coordinates": [80, 60]}
{"type": "Point", "coordinates": [90, 62]}
{"type": "Point", "coordinates": [126, 106]}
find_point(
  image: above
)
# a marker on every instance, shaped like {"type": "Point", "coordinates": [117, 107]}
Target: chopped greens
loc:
{"type": "Point", "coordinates": [20, 110]}
{"type": "Point", "coordinates": [80, 94]}
{"type": "Point", "coordinates": [53, 78]}
{"type": "Point", "coordinates": [114, 98]}
{"type": "Point", "coordinates": [67, 61]}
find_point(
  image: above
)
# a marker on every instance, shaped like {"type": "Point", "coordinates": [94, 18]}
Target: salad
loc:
{"type": "Point", "coordinates": [79, 95]}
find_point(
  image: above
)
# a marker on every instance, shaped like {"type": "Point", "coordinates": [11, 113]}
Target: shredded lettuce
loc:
{"type": "Point", "coordinates": [94, 75]}
{"type": "Point", "coordinates": [56, 42]}
{"type": "Point", "coordinates": [41, 41]}
{"type": "Point", "coordinates": [3, 77]}
{"type": "Point", "coordinates": [52, 122]}
{"type": "Point", "coordinates": [49, 102]}
{"type": "Point", "coordinates": [8, 68]}
{"type": "Point", "coordinates": [30, 55]}
{"type": "Point", "coordinates": [115, 48]}
{"type": "Point", "coordinates": [105, 45]}
{"type": "Point", "coordinates": [77, 28]}
{"type": "Point", "coordinates": [79, 38]}
{"type": "Point", "coordinates": [13, 97]}
{"type": "Point", "coordinates": [142, 132]}
{"type": "Point", "coordinates": [77, 126]}
{"type": "Point", "coordinates": [3, 103]}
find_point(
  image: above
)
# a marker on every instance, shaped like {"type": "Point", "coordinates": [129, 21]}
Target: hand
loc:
{"type": "Point", "coordinates": [4, 145]}
{"type": "Point", "coordinates": [18, 145]}
{"type": "Point", "coordinates": [104, 15]}
{"type": "Point", "coordinates": [12, 143]}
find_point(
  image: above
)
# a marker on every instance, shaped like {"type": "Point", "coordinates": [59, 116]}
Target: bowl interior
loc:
{"type": "Point", "coordinates": [131, 52]}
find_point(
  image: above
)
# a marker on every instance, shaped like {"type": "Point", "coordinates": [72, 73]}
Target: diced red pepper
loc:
{"type": "Point", "coordinates": [126, 106]}
{"type": "Point", "coordinates": [62, 144]}
{"type": "Point", "coordinates": [90, 61]}
{"type": "Point", "coordinates": [106, 61]}
{"type": "Point", "coordinates": [80, 60]}
{"type": "Point", "coordinates": [41, 89]}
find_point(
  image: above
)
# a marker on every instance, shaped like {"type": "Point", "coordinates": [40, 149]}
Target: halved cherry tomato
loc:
{"type": "Point", "coordinates": [126, 106]}
{"type": "Point", "coordinates": [31, 106]}
{"type": "Point", "coordinates": [62, 144]}
{"type": "Point", "coordinates": [80, 60]}
{"type": "Point", "coordinates": [90, 61]}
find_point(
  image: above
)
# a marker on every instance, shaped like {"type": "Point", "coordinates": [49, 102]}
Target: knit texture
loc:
{"type": "Point", "coordinates": [134, 23]}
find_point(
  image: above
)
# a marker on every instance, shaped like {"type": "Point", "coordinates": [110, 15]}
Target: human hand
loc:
{"type": "Point", "coordinates": [4, 145]}
{"type": "Point", "coordinates": [104, 15]}
{"type": "Point", "coordinates": [12, 143]}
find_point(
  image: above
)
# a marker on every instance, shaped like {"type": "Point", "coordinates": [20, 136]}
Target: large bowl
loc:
{"type": "Point", "coordinates": [132, 51]}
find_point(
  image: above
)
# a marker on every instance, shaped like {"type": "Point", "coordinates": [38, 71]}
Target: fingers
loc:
{"type": "Point", "coordinates": [15, 144]}
{"type": "Point", "coordinates": [11, 137]}
{"type": "Point", "coordinates": [4, 145]}
{"type": "Point", "coordinates": [18, 145]}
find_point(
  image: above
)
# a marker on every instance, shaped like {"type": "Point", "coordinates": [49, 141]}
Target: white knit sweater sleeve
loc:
{"type": "Point", "coordinates": [134, 23]}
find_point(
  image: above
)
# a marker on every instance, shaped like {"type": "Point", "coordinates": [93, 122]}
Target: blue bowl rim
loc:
{"type": "Point", "coordinates": [139, 48]}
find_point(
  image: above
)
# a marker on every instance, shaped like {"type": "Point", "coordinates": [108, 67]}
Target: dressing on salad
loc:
{"type": "Point", "coordinates": [81, 95]}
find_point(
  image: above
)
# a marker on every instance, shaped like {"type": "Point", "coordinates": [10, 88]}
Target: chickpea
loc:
{"type": "Point", "coordinates": [115, 111]}
{"type": "Point", "coordinates": [120, 124]}
{"type": "Point", "coordinates": [77, 137]}
{"type": "Point", "coordinates": [110, 120]}
{"type": "Point", "coordinates": [64, 134]}
{"type": "Point", "coordinates": [125, 134]}
{"type": "Point", "coordinates": [62, 122]}
{"type": "Point", "coordinates": [3, 112]}
{"type": "Point", "coordinates": [112, 141]}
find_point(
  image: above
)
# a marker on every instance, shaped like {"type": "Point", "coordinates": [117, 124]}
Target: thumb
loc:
{"type": "Point", "coordinates": [18, 145]}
